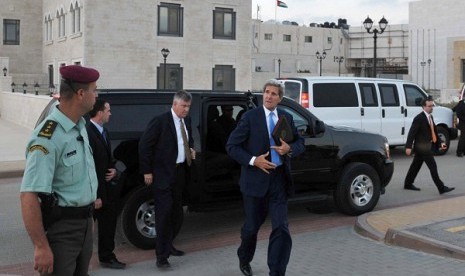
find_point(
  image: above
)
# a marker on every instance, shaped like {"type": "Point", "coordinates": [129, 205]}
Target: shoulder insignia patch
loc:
{"type": "Point", "coordinates": [48, 129]}
{"type": "Point", "coordinates": [38, 147]}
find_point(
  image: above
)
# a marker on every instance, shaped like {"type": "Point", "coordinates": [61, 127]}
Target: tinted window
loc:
{"type": "Point", "coordinates": [389, 96]}
{"type": "Point", "coordinates": [334, 95]}
{"type": "Point", "coordinates": [368, 93]}
{"type": "Point", "coordinates": [123, 116]}
{"type": "Point", "coordinates": [413, 95]}
{"type": "Point", "coordinates": [292, 90]}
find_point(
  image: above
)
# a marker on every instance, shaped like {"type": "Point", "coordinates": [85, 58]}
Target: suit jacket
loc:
{"type": "Point", "coordinates": [459, 109]}
{"type": "Point", "coordinates": [102, 157]}
{"type": "Point", "coordinates": [158, 149]}
{"type": "Point", "coordinates": [419, 136]}
{"type": "Point", "coordinates": [251, 138]}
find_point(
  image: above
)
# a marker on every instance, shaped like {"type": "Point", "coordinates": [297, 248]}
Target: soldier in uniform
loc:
{"type": "Point", "coordinates": [59, 186]}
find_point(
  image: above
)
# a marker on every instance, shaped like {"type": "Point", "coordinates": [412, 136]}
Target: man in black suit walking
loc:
{"type": "Point", "coordinates": [265, 181]}
{"type": "Point", "coordinates": [424, 138]}
{"type": "Point", "coordinates": [459, 110]}
{"type": "Point", "coordinates": [106, 205]}
{"type": "Point", "coordinates": [165, 156]}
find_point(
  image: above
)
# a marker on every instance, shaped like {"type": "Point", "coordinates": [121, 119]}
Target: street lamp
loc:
{"type": "Point", "coordinates": [24, 87]}
{"type": "Point", "coordinates": [36, 88]}
{"type": "Point", "coordinates": [4, 71]}
{"type": "Point", "coordinates": [321, 57]}
{"type": "Point", "coordinates": [429, 71]}
{"type": "Point", "coordinates": [279, 68]}
{"type": "Point", "coordinates": [339, 60]}
{"type": "Point", "coordinates": [164, 52]}
{"type": "Point", "coordinates": [13, 85]}
{"type": "Point", "coordinates": [423, 63]}
{"type": "Point", "coordinates": [368, 24]}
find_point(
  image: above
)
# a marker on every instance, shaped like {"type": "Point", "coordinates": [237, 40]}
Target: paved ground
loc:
{"type": "Point", "coordinates": [324, 244]}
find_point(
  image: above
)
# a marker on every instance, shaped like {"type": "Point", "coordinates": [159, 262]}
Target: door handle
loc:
{"type": "Point", "coordinates": [401, 110]}
{"type": "Point", "coordinates": [362, 111]}
{"type": "Point", "coordinates": [383, 113]}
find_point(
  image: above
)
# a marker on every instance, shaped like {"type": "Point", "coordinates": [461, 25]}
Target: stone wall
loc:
{"type": "Point", "coordinates": [22, 109]}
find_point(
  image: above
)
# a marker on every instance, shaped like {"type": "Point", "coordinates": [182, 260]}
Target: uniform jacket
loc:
{"type": "Point", "coordinates": [102, 157]}
{"type": "Point", "coordinates": [419, 136]}
{"type": "Point", "coordinates": [158, 149]}
{"type": "Point", "coordinates": [251, 138]}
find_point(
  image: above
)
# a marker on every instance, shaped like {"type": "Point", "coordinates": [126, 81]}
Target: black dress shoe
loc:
{"type": "Point", "coordinates": [459, 154]}
{"type": "Point", "coordinates": [175, 252]}
{"type": "Point", "coordinates": [246, 269]}
{"type": "Point", "coordinates": [163, 263]}
{"type": "Point", "coordinates": [411, 187]}
{"type": "Point", "coordinates": [446, 189]}
{"type": "Point", "coordinates": [113, 263]}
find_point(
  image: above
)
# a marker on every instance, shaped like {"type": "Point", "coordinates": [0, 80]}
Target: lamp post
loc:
{"type": "Point", "coordinates": [36, 88]}
{"type": "Point", "coordinates": [24, 87]}
{"type": "Point", "coordinates": [368, 24]}
{"type": "Point", "coordinates": [164, 52]}
{"type": "Point", "coordinates": [429, 72]}
{"type": "Point", "coordinates": [339, 60]}
{"type": "Point", "coordinates": [279, 68]}
{"type": "Point", "coordinates": [423, 63]}
{"type": "Point", "coordinates": [320, 58]}
{"type": "Point", "coordinates": [13, 85]}
{"type": "Point", "coordinates": [4, 71]}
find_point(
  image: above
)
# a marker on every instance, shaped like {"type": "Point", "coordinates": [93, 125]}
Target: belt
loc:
{"type": "Point", "coordinates": [76, 212]}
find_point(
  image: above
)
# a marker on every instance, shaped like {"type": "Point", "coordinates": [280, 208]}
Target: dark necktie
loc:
{"type": "Point", "coordinates": [274, 154]}
{"type": "Point", "coordinates": [187, 150]}
{"type": "Point", "coordinates": [104, 135]}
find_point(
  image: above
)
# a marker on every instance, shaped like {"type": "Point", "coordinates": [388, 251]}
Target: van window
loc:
{"type": "Point", "coordinates": [413, 95]}
{"type": "Point", "coordinates": [368, 94]}
{"type": "Point", "coordinates": [122, 122]}
{"type": "Point", "coordinates": [334, 95]}
{"type": "Point", "coordinates": [389, 96]}
{"type": "Point", "coordinates": [292, 90]}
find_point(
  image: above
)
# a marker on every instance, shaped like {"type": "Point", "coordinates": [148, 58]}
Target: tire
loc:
{"type": "Point", "coordinates": [443, 133]}
{"type": "Point", "coordinates": [358, 189]}
{"type": "Point", "coordinates": [138, 218]}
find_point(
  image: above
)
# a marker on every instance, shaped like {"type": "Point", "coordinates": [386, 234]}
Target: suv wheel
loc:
{"type": "Point", "coordinates": [138, 218]}
{"type": "Point", "coordinates": [358, 189]}
{"type": "Point", "coordinates": [444, 135]}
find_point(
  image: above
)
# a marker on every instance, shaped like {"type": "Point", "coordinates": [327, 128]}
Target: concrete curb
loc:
{"type": "Point", "coordinates": [363, 228]}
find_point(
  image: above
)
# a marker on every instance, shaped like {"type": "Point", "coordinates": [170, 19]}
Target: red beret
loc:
{"type": "Point", "coordinates": [79, 73]}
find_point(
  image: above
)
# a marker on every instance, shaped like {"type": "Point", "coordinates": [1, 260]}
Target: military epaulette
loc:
{"type": "Point", "coordinates": [48, 129]}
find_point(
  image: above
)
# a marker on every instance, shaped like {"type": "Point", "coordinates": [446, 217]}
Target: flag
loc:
{"type": "Point", "coordinates": [281, 4]}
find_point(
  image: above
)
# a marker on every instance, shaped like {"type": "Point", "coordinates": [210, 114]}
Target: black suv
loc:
{"type": "Point", "coordinates": [353, 166]}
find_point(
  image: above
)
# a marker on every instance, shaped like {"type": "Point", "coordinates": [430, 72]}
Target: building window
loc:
{"type": "Point", "coordinates": [170, 19]}
{"type": "Point", "coordinates": [75, 18]}
{"type": "Point", "coordinates": [61, 23]}
{"type": "Point", "coordinates": [463, 70]}
{"type": "Point", "coordinates": [308, 39]}
{"type": "Point", "coordinates": [173, 79]}
{"type": "Point", "coordinates": [48, 28]}
{"type": "Point", "coordinates": [224, 78]}
{"type": "Point", "coordinates": [10, 32]}
{"type": "Point", "coordinates": [286, 37]}
{"type": "Point", "coordinates": [330, 40]}
{"type": "Point", "coordinates": [268, 36]}
{"type": "Point", "coordinates": [224, 23]}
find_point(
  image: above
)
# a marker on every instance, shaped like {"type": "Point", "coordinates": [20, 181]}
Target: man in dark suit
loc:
{"type": "Point", "coordinates": [459, 110]}
{"type": "Point", "coordinates": [424, 138]}
{"type": "Point", "coordinates": [265, 180]}
{"type": "Point", "coordinates": [165, 156]}
{"type": "Point", "coordinates": [106, 204]}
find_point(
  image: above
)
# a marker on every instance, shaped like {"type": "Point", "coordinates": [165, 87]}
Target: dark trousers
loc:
{"type": "Point", "coordinates": [106, 220]}
{"type": "Point", "coordinates": [256, 210]}
{"type": "Point", "coordinates": [71, 244]}
{"type": "Point", "coordinates": [461, 143]}
{"type": "Point", "coordinates": [417, 162]}
{"type": "Point", "coordinates": [169, 213]}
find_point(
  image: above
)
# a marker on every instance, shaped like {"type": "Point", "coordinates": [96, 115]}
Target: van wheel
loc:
{"type": "Point", "coordinates": [138, 218]}
{"type": "Point", "coordinates": [358, 189]}
{"type": "Point", "coordinates": [444, 135]}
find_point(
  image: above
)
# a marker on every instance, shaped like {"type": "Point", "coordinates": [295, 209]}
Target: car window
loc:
{"type": "Point", "coordinates": [368, 93]}
{"type": "Point", "coordinates": [134, 117]}
{"type": "Point", "coordinates": [413, 95]}
{"type": "Point", "coordinates": [299, 121]}
{"type": "Point", "coordinates": [292, 89]}
{"type": "Point", "coordinates": [389, 96]}
{"type": "Point", "coordinates": [334, 95]}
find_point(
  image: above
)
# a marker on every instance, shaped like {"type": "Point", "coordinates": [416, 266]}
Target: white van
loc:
{"type": "Point", "coordinates": [384, 106]}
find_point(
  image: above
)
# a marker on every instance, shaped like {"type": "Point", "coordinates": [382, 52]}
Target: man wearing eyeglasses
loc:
{"type": "Point", "coordinates": [424, 138]}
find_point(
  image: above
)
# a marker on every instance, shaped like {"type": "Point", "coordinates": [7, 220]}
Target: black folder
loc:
{"type": "Point", "coordinates": [282, 130]}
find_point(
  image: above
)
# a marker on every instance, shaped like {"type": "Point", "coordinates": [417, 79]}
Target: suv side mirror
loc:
{"type": "Point", "coordinates": [318, 127]}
